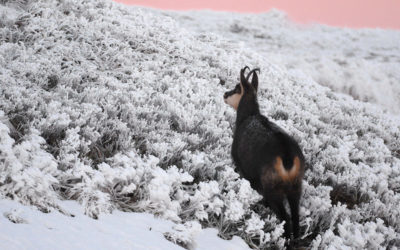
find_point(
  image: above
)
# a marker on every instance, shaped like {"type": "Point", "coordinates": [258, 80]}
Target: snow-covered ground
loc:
{"type": "Point", "coordinates": [115, 114]}
{"type": "Point", "coordinates": [24, 227]}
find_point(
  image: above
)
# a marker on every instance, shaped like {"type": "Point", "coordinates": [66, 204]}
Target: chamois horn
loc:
{"type": "Point", "coordinates": [243, 80]}
{"type": "Point", "coordinates": [251, 72]}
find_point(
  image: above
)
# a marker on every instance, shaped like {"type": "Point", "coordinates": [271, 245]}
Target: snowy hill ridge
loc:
{"type": "Point", "coordinates": [360, 62]}
{"type": "Point", "coordinates": [121, 108]}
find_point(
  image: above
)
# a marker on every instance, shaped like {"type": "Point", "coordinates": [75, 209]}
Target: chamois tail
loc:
{"type": "Point", "coordinates": [287, 175]}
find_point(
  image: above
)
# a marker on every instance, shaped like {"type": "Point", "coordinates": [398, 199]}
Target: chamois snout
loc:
{"type": "Point", "coordinates": [233, 97]}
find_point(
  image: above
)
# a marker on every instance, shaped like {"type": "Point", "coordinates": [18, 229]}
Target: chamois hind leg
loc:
{"type": "Point", "coordinates": [293, 199]}
{"type": "Point", "coordinates": [275, 201]}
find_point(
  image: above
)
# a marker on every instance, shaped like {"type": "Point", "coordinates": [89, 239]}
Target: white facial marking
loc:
{"type": "Point", "coordinates": [233, 100]}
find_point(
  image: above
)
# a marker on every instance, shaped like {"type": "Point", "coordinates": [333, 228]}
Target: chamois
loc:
{"type": "Point", "coordinates": [264, 154]}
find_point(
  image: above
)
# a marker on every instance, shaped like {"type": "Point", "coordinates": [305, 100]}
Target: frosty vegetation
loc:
{"type": "Point", "coordinates": [121, 109]}
{"type": "Point", "coordinates": [362, 63]}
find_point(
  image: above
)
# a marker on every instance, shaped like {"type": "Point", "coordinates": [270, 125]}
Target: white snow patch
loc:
{"type": "Point", "coordinates": [118, 230]}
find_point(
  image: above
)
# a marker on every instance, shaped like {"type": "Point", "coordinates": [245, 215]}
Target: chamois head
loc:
{"type": "Point", "coordinates": [234, 96]}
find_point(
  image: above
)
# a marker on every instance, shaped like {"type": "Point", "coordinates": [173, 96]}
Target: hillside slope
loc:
{"type": "Point", "coordinates": [121, 109]}
{"type": "Point", "coordinates": [362, 63]}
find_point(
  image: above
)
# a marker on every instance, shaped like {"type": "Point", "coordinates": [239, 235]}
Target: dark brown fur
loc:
{"type": "Point", "coordinates": [266, 156]}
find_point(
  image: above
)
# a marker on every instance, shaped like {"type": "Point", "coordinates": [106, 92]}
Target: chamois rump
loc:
{"type": "Point", "coordinates": [265, 155]}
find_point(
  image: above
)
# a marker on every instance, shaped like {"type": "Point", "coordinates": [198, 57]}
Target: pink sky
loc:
{"type": "Point", "coordinates": [349, 13]}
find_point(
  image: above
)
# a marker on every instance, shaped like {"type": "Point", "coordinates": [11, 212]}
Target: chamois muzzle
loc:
{"type": "Point", "coordinates": [229, 93]}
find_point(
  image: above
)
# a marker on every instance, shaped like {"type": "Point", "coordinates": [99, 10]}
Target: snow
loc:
{"type": "Point", "coordinates": [37, 230]}
{"type": "Point", "coordinates": [115, 114]}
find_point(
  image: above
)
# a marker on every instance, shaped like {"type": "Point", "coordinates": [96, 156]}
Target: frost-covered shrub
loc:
{"type": "Point", "coordinates": [205, 200]}
{"type": "Point", "coordinates": [15, 216]}
{"type": "Point", "coordinates": [162, 186]}
{"type": "Point", "coordinates": [27, 171]}
{"type": "Point", "coordinates": [370, 235]}
{"type": "Point", "coordinates": [184, 234]}
{"type": "Point", "coordinates": [121, 108]}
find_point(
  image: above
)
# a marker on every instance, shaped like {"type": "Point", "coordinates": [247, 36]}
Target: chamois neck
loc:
{"type": "Point", "coordinates": [248, 106]}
